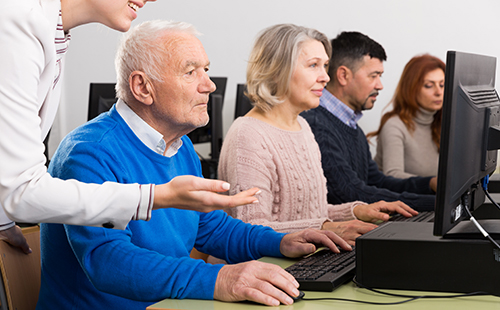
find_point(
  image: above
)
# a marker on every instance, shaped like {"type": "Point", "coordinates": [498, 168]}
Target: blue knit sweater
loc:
{"type": "Point", "coordinates": [99, 268]}
{"type": "Point", "coordinates": [351, 172]}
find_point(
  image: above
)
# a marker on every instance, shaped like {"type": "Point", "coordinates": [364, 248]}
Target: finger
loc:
{"type": "Point", "coordinates": [244, 197]}
{"type": "Point", "coordinates": [274, 285]}
{"type": "Point", "coordinates": [213, 201]}
{"type": "Point", "coordinates": [217, 186]}
{"type": "Point", "coordinates": [301, 249]}
{"type": "Point", "coordinates": [401, 210]}
{"type": "Point", "coordinates": [329, 239]}
{"type": "Point", "coordinates": [365, 227]}
{"type": "Point", "coordinates": [260, 297]}
{"type": "Point", "coordinates": [377, 215]}
{"type": "Point", "coordinates": [286, 285]}
{"type": "Point", "coordinates": [15, 237]}
{"type": "Point", "coordinates": [225, 202]}
{"type": "Point", "coordinates": [288, 277]}
{"type": "Point", "coordinates": [407, 208]}
{"type": "Point", "coordinates": [25, 248]}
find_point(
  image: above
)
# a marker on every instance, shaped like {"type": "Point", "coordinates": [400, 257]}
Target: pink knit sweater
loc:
{"type": "Point", "coordinates": [286, 166]}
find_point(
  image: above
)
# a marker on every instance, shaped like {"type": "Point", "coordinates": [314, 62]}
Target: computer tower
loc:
{"type": "Point", "coordinates": [407, 256]}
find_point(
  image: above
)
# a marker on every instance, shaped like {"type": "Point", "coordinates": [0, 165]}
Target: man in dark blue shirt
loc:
{"type": "Point", "coordinates": [355, 70]}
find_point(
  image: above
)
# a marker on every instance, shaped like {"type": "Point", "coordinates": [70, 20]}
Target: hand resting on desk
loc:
{"type": "Point", "coordinates": [267, 283]}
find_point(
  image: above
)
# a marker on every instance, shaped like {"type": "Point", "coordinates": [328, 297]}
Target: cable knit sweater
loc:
{"type": "Point", "coordinates": [404, 154]}
{"type": "Point", "coordinates": [351, 172]}
{"type": "Point", "coordinates": [286, 166]}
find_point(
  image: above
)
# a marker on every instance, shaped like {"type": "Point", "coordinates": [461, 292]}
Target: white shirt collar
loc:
{"type": "Point", "coordinates": [147, 134]}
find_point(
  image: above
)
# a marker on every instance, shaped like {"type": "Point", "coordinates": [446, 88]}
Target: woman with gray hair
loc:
{"type": "Point", "coordinates": [272, 147]}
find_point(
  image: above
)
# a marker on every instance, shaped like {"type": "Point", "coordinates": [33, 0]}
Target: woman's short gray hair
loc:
{"type": "Point", "coordinates": [273, 59]}
{"type": "Point", "coordinates": [140, 50]}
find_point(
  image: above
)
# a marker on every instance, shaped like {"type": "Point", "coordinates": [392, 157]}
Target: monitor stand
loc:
{"type": "Point", "coordinates": [467, 230]}
{"type": "Point", "coordinates": [402, 255]}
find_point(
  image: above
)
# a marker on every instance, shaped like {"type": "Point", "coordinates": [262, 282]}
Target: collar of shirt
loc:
{"type": "Point", "coordinates": [339, 109]}
{"type": "Point", "coordinates": [147, 134]}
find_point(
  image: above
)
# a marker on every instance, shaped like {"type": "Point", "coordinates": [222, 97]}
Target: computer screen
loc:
{"type": "Point", "coordinates": [102, 96]}
{"type": "Point", "coordinates": [243, 103]}
{"type": "Point", "coordinates": [468, 152]}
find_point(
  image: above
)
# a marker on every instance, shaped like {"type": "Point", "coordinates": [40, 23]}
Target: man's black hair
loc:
{"type": "Point", "coordinates": [349, 48]}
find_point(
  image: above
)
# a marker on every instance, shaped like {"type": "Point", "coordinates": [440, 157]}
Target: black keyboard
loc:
{"type": "Point", "coordinates": [424, 216]}
{"type": "Point", "coordinates": [324, 270]}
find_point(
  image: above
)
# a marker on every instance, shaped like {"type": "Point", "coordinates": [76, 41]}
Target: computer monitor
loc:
{"type": "Point", "coordinates": [102, 96]}
{"type": "Point", "coordinates": [212, 132]}
{"type": "Point", "coordinates": [243, 103]}
{"type": "Point", "coordinates": [469, 137]}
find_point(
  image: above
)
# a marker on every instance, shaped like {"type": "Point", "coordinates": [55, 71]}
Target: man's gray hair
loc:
{"type": "Point", "coordinates": [141, 50]}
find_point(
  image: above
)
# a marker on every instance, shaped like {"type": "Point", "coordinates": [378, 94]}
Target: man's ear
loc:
{"type": "Point", "coordinates": [141, 87]}
{"type": "Point", "coordinates": [344, 74]}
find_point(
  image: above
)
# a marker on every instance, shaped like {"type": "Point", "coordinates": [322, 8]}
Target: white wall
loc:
{"type": "Point", "coordinates": [404, 28]}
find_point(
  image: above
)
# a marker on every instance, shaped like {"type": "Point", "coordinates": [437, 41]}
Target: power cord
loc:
{"type": "Point", "coordinates": [408, 298]}
{"type": "Point", "coordinates": [475, 222]}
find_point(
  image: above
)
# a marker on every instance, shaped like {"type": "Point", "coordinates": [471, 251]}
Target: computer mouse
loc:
{"type": "Point", "coordinates": [299, 297]}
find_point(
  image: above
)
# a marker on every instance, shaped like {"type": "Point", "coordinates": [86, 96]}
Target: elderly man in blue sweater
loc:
{"type": "Point", "coordinates": [163, 90]}
{"type": "Point", "coordinates": [355, 70]}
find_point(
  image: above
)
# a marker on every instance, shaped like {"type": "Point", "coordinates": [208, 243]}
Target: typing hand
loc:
{"type": "Point", "coordinates": [198, 194]}
{"type": "Point", "coordinates": [255, 281]}
{"type": "Point", "coordinates": [349, 230]}
{"type": "Point", "coordinates": [379, 211]}
{"type": "Point", "coordinates": [14, 236]}
{"type": "Point", "coordinates": [307, 241]}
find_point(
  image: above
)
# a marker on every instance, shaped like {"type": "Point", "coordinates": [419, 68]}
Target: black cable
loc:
{"type": "Point", "coordinates": [481, 229]}
{"type": "Point", "coordinates": [409, 298]}
{"type": "Point", "coordinates": [490, 198]}
{"type": "Point", "coordinates": [362, 301]}
{"type": "Point", "coordinates": [420, 296]}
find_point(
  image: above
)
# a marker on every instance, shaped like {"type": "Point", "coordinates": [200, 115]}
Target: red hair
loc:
{"type": "Point", "coordinates": [405, 103]}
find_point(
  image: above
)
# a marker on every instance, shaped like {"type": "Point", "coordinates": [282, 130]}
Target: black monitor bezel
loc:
{"type": "Point", "coordinates": [464, 74]}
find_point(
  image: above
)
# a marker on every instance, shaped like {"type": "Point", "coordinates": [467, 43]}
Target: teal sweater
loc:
{"type": "Point", "coordinates": [99, 268]}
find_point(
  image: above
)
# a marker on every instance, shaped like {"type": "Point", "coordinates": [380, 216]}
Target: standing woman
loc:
{"type": "Point", "coordinates": [34, 36]}
{"type": "Point", "coordinates": [409, 135]}
{"type": "Point", "coordinates": [274, 148]}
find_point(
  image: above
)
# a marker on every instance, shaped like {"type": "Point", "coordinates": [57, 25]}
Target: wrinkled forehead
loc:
{"type": "Point", "coordinates": [184, 51]}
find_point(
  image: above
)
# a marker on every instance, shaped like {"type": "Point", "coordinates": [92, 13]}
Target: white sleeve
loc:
{"type": "Point", "coordinates": [27, 192]}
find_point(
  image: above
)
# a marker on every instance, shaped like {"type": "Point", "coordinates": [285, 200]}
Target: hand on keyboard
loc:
{"type": "Point", "coordinates": [379, 211]}
{"type": "Point", "coordinates": [306, 241]}
{"type": "Point", "coordinates": [349, 230]}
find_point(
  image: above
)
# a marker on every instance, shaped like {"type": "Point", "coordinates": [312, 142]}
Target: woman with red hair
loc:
{"type": "Point", "coordinates": [409, 135]}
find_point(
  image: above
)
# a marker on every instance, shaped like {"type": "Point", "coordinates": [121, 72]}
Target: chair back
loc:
{"type": "Point", "coordinates": [20, 273]}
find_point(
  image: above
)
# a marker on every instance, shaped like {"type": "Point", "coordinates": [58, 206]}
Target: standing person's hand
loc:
{"type": "Point", "coordinates": [14, 236]}
{"type": "Point", "coordinates": [198, 194]}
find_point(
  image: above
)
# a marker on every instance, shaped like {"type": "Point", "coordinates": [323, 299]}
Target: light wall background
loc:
{"type": "Point", "coordinates": [405, 28]}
